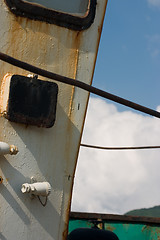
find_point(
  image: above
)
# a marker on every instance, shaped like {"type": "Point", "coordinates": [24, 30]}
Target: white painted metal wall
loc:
{"type": "Point", "coordinates": [47, 154]}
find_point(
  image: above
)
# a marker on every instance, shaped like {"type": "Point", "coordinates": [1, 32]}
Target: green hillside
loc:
{"type": "Point", "coordinates": [147, 212]}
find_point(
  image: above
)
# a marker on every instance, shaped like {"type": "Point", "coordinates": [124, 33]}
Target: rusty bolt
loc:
{"type": "Point", "coordinates": [1, 179]}
{"type": "Point", "coordinates": [13, 150]}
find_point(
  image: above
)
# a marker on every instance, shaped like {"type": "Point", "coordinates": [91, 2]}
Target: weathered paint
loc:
{"type": "Point", "coordinates": [124, 227]}
{"type": "Point", "coordinates": [47, 154]}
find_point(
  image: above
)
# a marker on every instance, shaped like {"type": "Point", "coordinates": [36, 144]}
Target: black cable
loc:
{"type": "Point", "coordinates": [119, 148]}
{"type": "Point", "coordinates": [43, 203]}
{"type": "Point", "coordinates": [82, 85]}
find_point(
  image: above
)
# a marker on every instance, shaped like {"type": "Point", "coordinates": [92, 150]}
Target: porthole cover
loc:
{"type": "Point", "coordinates": [32, 101]}
{"type": "Point", "coordinates": [72, 14]}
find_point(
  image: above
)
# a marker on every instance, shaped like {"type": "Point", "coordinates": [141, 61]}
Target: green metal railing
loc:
{"type": "Point", "coordinates": [125, 227]}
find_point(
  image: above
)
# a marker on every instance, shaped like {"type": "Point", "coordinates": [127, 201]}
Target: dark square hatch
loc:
{"type": "Point", "coordinates": [32, 101]}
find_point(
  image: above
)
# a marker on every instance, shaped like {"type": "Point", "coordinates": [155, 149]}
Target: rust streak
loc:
{"type": "Point", "coordinates": [28, 40]}
{"type": "Point", "coordinates": [76, 45]}
{"type": "Point", "coordinates": [110, 228]}
{"type": "Point", "coordinates": [3, 93]}
{"type": "Point", "coordinates": [67, 214]}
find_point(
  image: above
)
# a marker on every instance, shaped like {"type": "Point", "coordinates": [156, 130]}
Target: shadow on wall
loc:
{"type": "Point", "coordinates": [51, 158]}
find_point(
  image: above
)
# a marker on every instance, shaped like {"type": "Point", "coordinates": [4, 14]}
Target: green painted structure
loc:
{"type": "Point", "coordinates": [125, 227]}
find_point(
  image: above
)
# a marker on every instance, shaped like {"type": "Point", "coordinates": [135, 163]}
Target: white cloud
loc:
{"type": "Point", "coordinates": [117, 181]}
{"type": "Point", "coordinates": [155, 3]}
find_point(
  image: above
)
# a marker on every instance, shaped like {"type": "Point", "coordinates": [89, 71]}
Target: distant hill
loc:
{"type": "Point", "coordinates": [147, 212]}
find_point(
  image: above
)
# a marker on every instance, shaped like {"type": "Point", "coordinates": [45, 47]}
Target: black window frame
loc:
{"type": "Point", "coordinates": [37, 12]}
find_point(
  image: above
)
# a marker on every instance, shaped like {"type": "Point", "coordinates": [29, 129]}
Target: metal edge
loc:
{"type": "Point", "coordinates": [114, 218]}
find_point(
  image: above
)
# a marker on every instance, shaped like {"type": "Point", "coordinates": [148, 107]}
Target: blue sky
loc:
{"type": "Point", "coordinates": [128, 62]}
{"type": "Point", "coordinates": [128, 65]}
